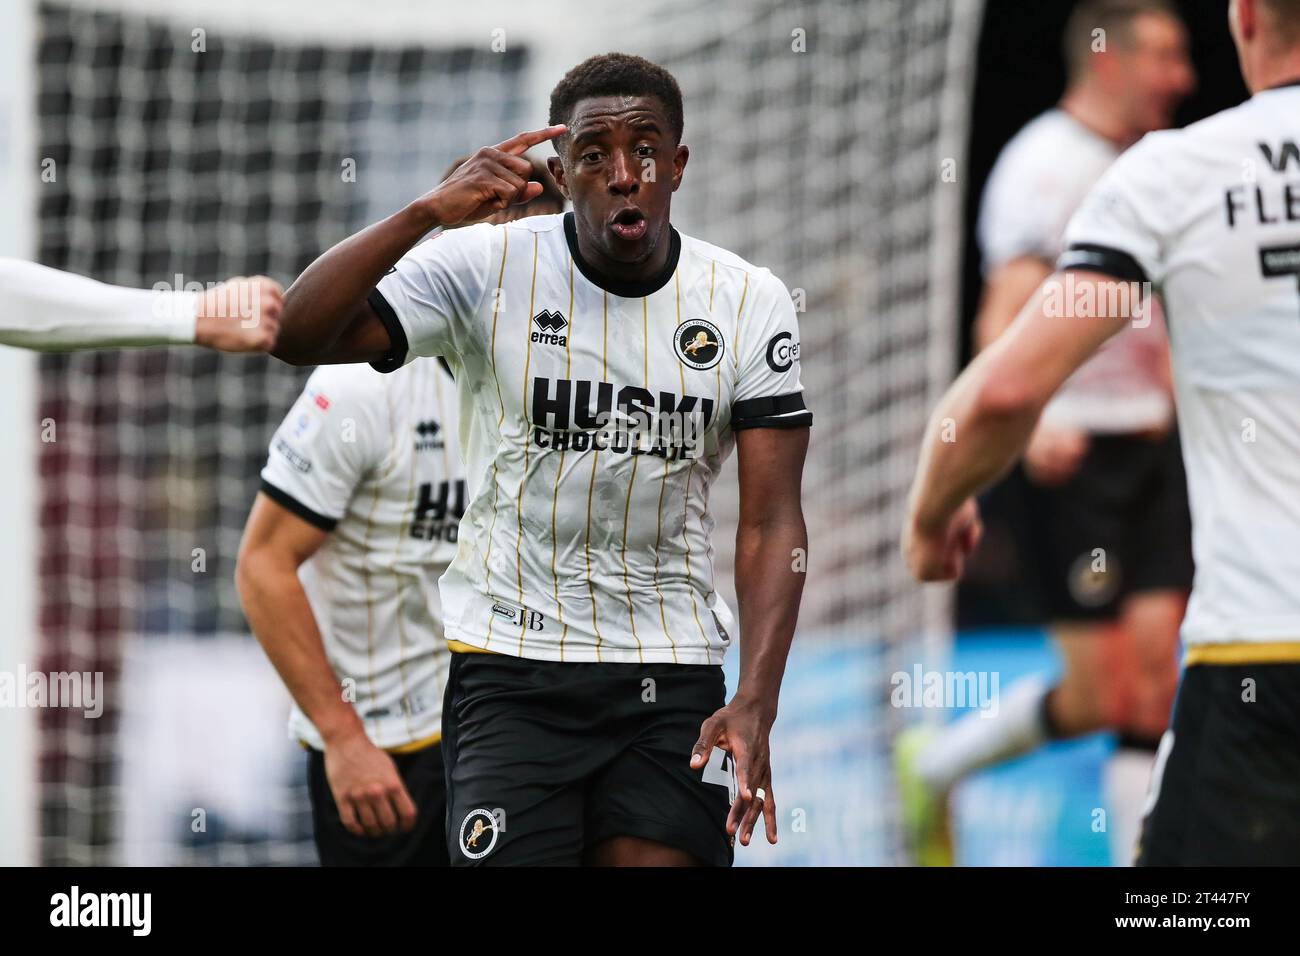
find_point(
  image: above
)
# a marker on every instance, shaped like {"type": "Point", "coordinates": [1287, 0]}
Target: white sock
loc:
{"type": "Point", "coordinates": [976, 740]}
{"type": "Point", "coordinates": [1125, 779]}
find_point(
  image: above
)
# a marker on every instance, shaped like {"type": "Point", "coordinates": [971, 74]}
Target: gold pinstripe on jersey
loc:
{"type": "Point", "coordinates": [496, 313]}
{"type": "Point", "coordinates": [686, 492]}
{"type": "Point", "coordinates": [591, 486]}
{"type": "Point", "coordinates": [397, 545]}
{"type": "Point", "coordinates": [523, 479]}
{"type": "Point", "coordinates": [559, 473]}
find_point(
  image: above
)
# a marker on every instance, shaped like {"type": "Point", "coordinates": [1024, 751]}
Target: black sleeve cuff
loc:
{"type": "Point", "coordinates": [1104, 259]}
{"type": "Point", "coordinates": [290, 503]}
{"type": "Point", "coordinates": [771, 411]}
{"type": "Point", "coordinates": [398, 346]}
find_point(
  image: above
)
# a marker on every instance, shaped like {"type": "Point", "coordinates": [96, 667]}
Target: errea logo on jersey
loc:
{"type": "Point", "coordinates": [549, 326]}
{"type": "Point", "coordinates": [426, 436]}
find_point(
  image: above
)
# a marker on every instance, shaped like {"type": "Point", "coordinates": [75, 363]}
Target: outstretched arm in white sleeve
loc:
{"type": "Point", "coordinates": [52, 311]}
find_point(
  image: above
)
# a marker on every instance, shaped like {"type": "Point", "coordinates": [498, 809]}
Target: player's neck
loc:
{"type": "Point", "coordinates": [626, 279]}
{"type": "Point", "coordinates": [1092, 109]}
{"type": "Point", "coordinates": [1273, 72]}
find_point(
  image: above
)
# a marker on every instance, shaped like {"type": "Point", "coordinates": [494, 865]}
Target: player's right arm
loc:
{"type": "Point", "coordinates": [333, 438]}
{"type": "Point", "coordinates": [1054, 453]}
{"type": "Point", "coordinates": [327, 318]}
{"type": "Point", "coordinates": [367, 788]}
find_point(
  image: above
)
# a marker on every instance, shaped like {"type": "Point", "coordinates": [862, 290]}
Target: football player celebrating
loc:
{"type": "Point", "coordinates": [607, 365]}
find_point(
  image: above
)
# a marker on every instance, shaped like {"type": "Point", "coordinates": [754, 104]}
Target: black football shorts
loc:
{"type": "Point", "coordinates": [1225, 789]}
{"type": "Point", "coordinates": [424, 776]}
{"type": "Point", "coordinates": [1118, 527]}
{"type": "Point", "coordinates": [547, 759]}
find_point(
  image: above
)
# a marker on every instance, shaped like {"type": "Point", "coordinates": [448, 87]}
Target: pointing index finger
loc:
{"type": "Point", "coordinates": [521, 142]}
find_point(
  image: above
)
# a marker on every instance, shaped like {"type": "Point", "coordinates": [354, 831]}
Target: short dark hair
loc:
{"type": "Point", "coordinates": [616, 74]}
{"type": "Point", "coordinates": [1286, 18]}
{"type": "Point", "coordinates": [1115, 18]}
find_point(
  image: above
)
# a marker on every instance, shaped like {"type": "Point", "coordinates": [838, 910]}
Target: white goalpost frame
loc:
{"type": "Point", "coordinates": [945, 303]}
{"type": "Point", "coordinates": [18, 517]}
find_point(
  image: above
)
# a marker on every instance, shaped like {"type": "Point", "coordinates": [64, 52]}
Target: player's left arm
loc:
{"type": "Point", "coordinates": [771, 425]}
{"type": "Point", "coordinates": [771, 548]}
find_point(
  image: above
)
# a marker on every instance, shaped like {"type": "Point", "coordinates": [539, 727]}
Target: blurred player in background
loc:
{"type": "Point", "coordinates": [357, 519]}
{"type": "Point", "coordinates": [1211, 216]}
{"type": "Point", "coordinates": [52, 311]}
{"type": "Point", "coordinates": [606, 364]}
{"type": "Point", "coordinates": [1108, 525]}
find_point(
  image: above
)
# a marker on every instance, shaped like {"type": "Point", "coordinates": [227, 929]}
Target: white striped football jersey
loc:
{"type": "Point", "coordinates": [595, 417]}
{"type": "Point", "coordinates": [375, 461]}
{"type": "Point", "coordinates": [1211, 216]}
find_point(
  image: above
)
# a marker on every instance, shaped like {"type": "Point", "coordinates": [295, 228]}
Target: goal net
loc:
{"type": "Point", "coordinates": [825, 142]}
{"type": "Point", "coordinates": [827, 139]}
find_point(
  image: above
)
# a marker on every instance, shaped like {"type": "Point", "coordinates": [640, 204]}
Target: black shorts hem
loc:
{"type": "Point", "coordinates": [665, 832]}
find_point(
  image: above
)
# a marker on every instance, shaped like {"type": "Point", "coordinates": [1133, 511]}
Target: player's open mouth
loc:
{"type": "Point", "coordinates": [629, 223]}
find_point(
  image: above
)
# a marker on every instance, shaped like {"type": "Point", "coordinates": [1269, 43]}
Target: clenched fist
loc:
{"type": "Point", "coordinates": [240, 315]}
{"type": "Point", "coordinates": [940, 554]}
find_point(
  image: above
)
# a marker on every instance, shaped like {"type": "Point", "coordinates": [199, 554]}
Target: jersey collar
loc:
{"type": "Point", "coordinates": [1283, 86]}
{"type": "Point", "coordinates": [624, 288]}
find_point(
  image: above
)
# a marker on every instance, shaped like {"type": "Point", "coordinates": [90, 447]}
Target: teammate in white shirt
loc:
{"type": "Point", "coordinates": [607, 364]}
{"type": "Point", "coordinates": [52, 311]}
{"type": "Point", "coordinates": [357, 517]}
{"type": "Point", "coordinates": [361, 499]}
{"type": "Point", "coordinates": [1106, 534]}
{"type": "Point", "coordinates": [1210, 216]}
